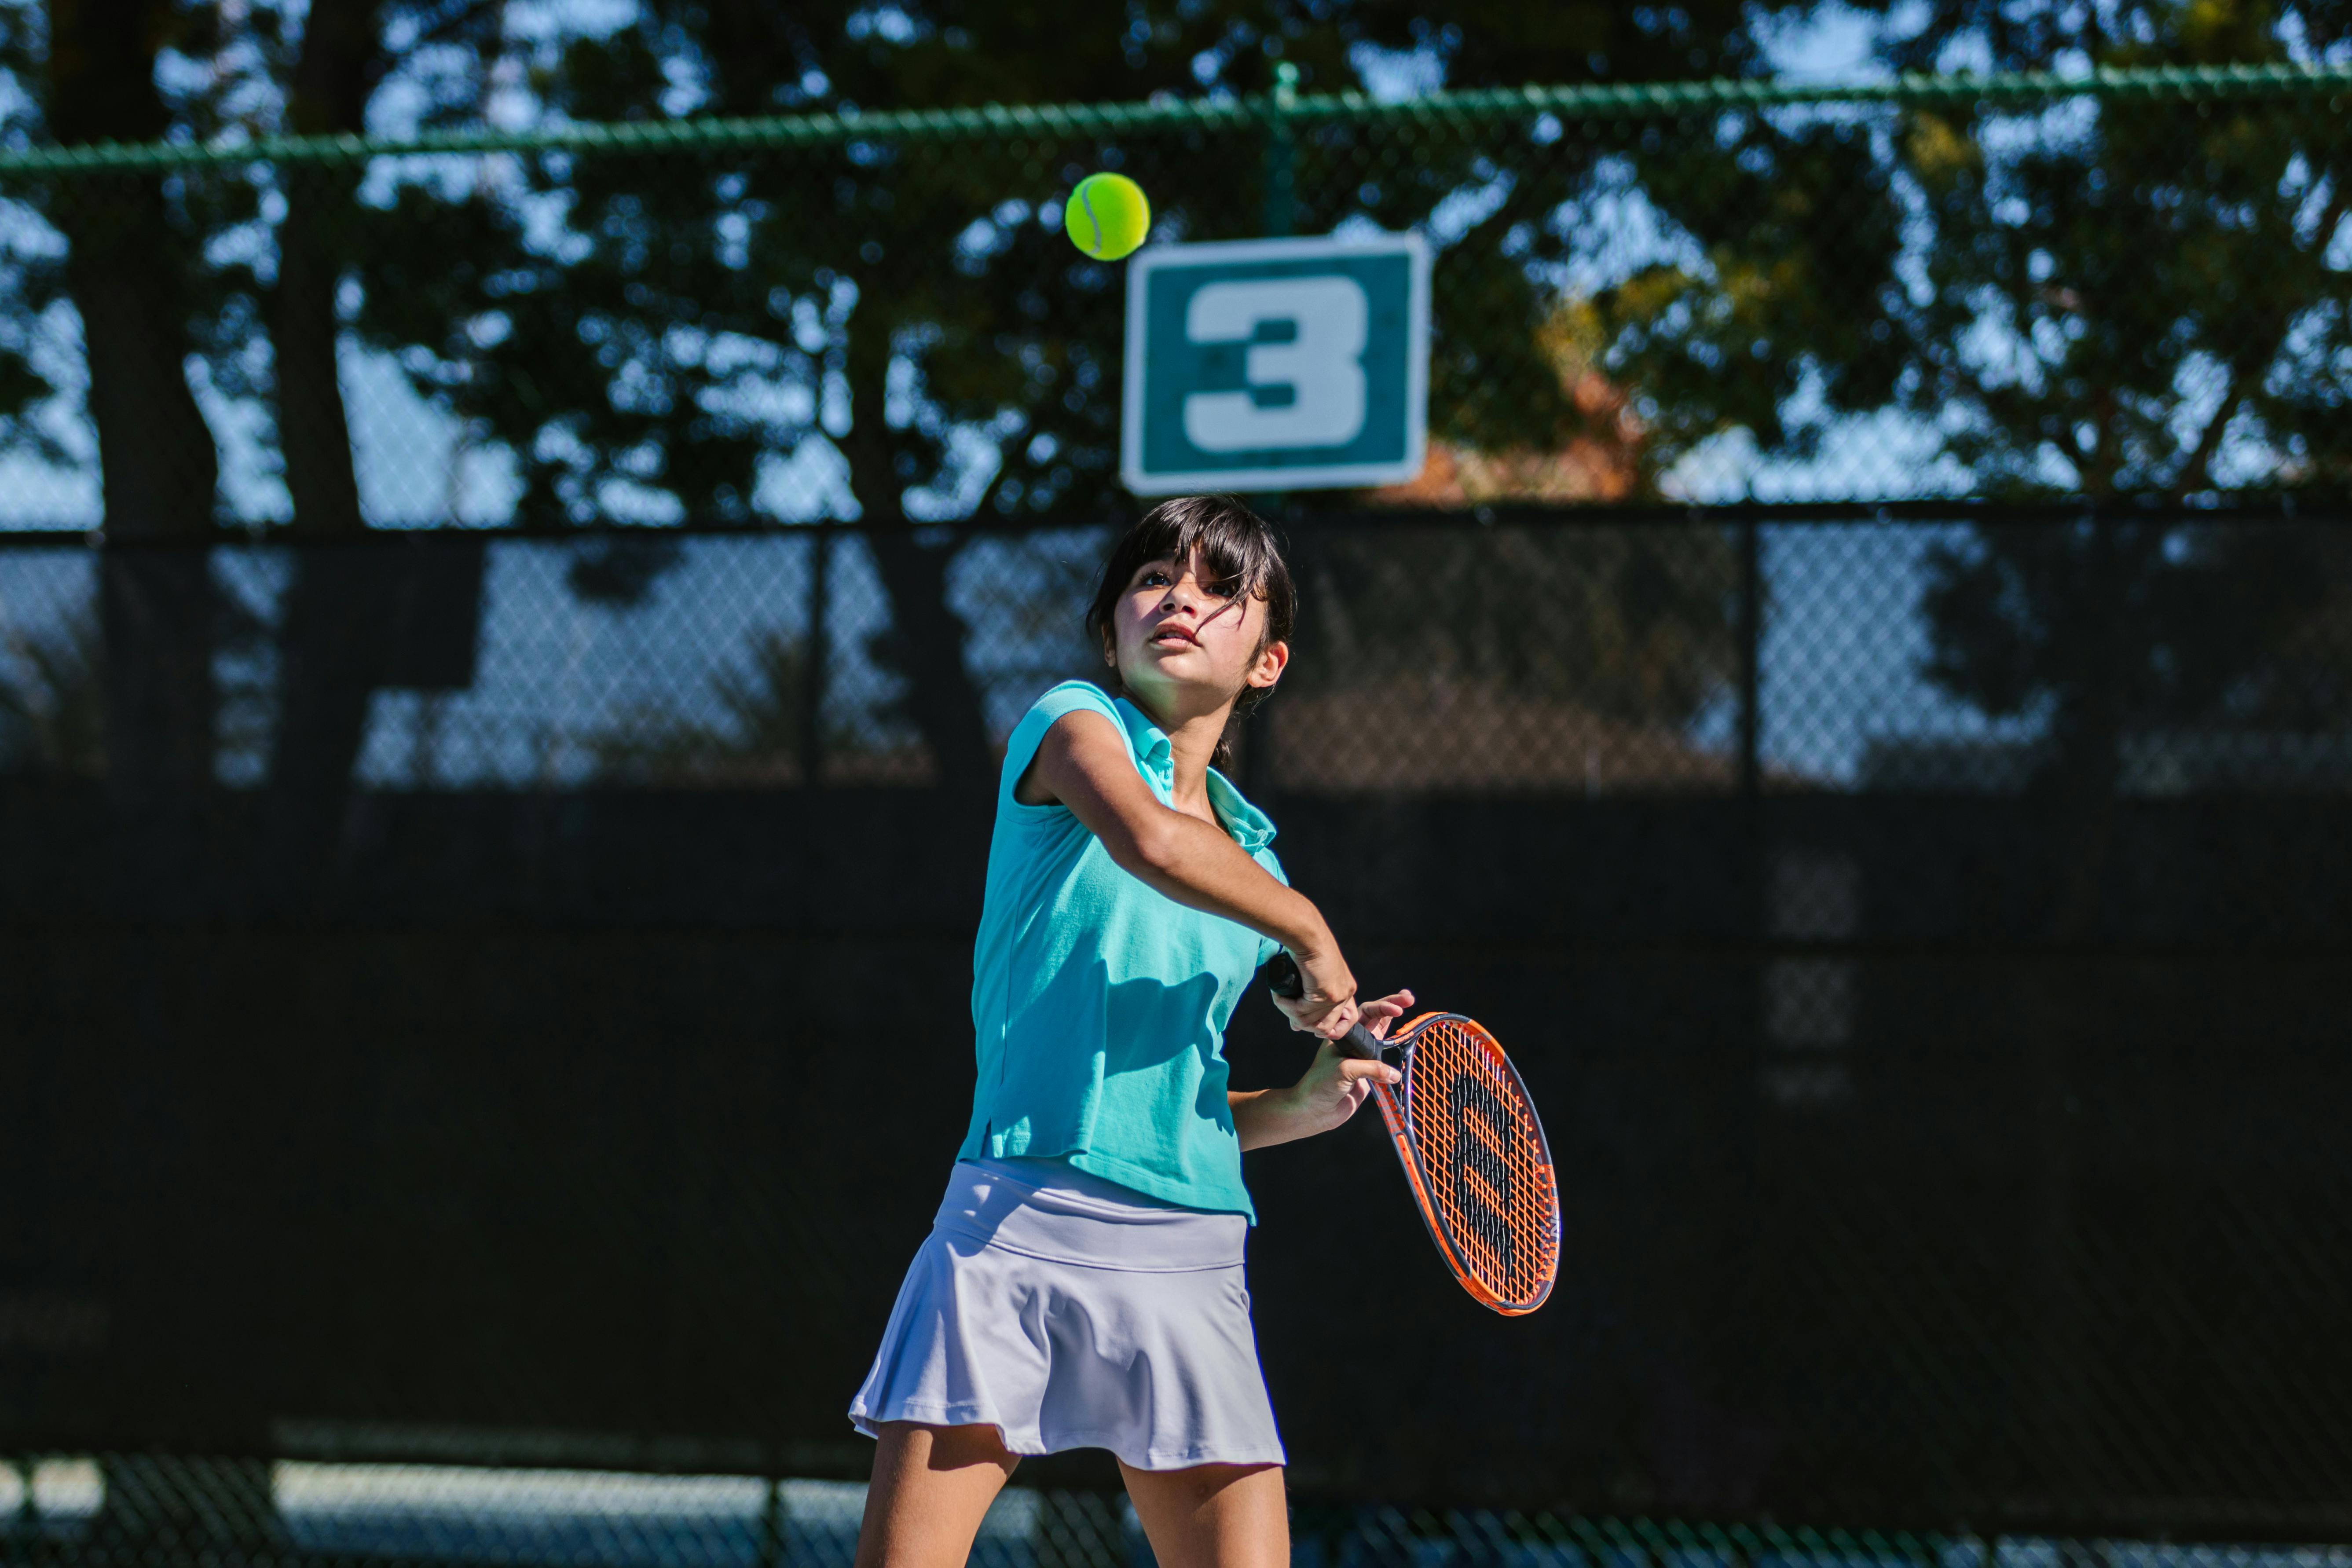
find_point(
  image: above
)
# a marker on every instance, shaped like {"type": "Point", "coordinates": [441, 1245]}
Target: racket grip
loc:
{"type": "Point", "coordinates": [1282, 978]}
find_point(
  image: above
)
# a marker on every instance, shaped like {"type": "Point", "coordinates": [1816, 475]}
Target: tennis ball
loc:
{"type": "Point", "coordinates": [1107, 216]}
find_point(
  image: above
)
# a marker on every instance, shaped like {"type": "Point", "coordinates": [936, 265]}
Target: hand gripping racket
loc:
{"type": "Point", "coordinates": [1473, 1149]}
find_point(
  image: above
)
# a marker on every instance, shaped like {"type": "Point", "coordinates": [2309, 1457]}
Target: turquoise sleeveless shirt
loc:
{"type": "Point", "coordinates": [1098, 1005]}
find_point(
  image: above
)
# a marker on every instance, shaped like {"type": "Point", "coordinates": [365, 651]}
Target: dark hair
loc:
{"type": "Point", "coordinates": [1241, 553]}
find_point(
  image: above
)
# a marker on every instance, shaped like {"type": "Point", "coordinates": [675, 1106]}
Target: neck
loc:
{"type": "Point", "coordinates": [1192, 738]}
{"type": "Point", "coordinates": [1193, 746]}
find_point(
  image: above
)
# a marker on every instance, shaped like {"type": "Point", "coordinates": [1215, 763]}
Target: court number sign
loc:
{"type": "Point", "coordinates": [1275, 364]}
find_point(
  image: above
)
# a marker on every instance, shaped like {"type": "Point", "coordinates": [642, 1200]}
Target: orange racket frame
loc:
{"type": "Point", "coordinates": [1510, 1268]}
{"type": "Point", "coordinates": [1514, 1290]}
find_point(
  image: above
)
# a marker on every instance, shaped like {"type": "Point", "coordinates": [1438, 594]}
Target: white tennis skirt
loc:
{"type": "Point", "coordinates": [1048, 1307]}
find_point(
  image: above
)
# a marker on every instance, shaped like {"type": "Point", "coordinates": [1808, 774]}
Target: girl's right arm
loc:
{"type": "Point", "coordinates": [1085, 762]}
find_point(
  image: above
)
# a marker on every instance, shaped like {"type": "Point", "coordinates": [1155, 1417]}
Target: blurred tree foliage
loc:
{"type": "Point", "coordinates": [2097, 302]}
{"type": "Point", "coordinates": [52, 700]}
{"type": "Point", "coordinates": [754, 738]}
{"type": "Point", "coordinates": [646, 336]}
{"type": "Point", "coordinates": [1632, 624]}
{"type": "Point", "coordinates": [2133, 305]}
{"type": "Point", "coordinates": [232, 284]}
{"type": "Point", "coordinates": [2124, 305]}
{"type": "Point", "coordinates": [941, 350]}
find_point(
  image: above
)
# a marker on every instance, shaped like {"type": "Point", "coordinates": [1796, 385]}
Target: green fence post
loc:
{"type": "Point", "coordinates": [817, 647]}
{"type": "Point", "coordinates": [772, 1547]}
{"type": "Point", "coordinates": [1281, 210]}
{"type": "Point", "coordinates": [24, 1530]}
{"type": "Point", "coordinates": [1281, 158]}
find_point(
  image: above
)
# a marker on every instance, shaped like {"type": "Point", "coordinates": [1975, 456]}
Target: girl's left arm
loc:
{"type": "Point", "coordinates": [1333, 1087]}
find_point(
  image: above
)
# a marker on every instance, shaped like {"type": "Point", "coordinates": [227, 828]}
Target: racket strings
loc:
{"type": "Point", "coordinates": [1488, 1173]}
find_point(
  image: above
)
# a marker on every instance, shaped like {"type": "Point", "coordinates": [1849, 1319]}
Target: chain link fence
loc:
{"type": "Point", "coordinates": [2129, 285]}
{"type": "Point", "coordinates": [2129, 289]}
{"type": "Point", "coordinates": [325, 1513]}
{"type": "Point", "coordinates": [504, 640]}
{"type": "Point", "coordinates": [1520, 656]}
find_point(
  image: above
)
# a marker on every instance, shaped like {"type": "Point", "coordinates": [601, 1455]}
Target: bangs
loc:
{"type": "Point", "coordinates": [1241, 555]}
{"type": "Point", "coordinates": [1237, 548]}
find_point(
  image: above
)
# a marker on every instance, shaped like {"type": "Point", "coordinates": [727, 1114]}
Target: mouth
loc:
{"type": "Point", "coordinates": [1174, 636]}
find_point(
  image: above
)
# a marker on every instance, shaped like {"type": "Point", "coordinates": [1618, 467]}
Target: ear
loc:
{"type": "Point", "coordinates": [1272, 660]}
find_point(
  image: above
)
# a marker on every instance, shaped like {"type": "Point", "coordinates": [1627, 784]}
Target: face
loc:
{"type": "Point", "coordinates": [1183, 648]}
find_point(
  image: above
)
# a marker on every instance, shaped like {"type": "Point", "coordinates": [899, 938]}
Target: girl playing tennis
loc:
{"type": "Point", "coordinates": [1082, 1285]}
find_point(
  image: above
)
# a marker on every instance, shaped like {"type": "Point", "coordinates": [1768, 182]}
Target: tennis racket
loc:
{"type": "Point", "coordinates": [1473, 1149]}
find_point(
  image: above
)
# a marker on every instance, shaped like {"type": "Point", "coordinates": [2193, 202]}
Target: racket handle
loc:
{"type": "Point", "coordinates": [1282, 978]}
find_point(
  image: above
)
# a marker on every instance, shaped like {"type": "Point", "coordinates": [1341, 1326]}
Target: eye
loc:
{"type": "Point", "coordinates": [1153, 577]}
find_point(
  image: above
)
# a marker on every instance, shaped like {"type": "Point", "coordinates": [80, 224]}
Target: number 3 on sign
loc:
{"type": "Point", "coordinates": [1322, 366]}
{"type": "Point", "coordinates": [1275, 364]}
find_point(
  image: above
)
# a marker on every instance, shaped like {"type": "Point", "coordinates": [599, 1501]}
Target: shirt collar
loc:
{"type": "Point", "coordinates": [1246, 824]}
{"type": "Point", "coordinates": [1149, 744]}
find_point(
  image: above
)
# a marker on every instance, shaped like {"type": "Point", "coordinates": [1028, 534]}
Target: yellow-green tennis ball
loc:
{"type": "Point", "coordinates": [1107, 216]}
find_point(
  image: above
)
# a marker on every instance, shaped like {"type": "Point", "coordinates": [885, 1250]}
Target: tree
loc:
{"type": "Point", "coordinates": [2138, 304]}
{"type": "Point", "coordinates": [126, 269]}
{"type": "Point", "coordinates": [160, 269]}
{"type": "Point", "coordinates": [319, 78]}
{"type": "Point", "coordinates": [755, 737]}
{"type": "Point", "coordinates": [1630, 625]}
{"type": "Point", "coordinates": [2170, 326]}
{"type": "Point", "coordinates": [53, 709]}
{"type": "Point", "coordinates": [907, 311]}
{"type": "Point", "coordinates": [910, 309]}
{"type": "Point", "coordinates": [141, 269]}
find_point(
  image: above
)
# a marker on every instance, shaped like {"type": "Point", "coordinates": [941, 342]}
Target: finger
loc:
{"type": "Point", "coordinates": [1338, 1021]}
{"type": "Point", "coordinates": [1292, 1007]}
{"type": "Point", "coordinates": [1378, 1015]}
{"type": "Point", "coordinates": [1306, 1017]}
{"type": "Point", "coordinates": [1355, 1070]}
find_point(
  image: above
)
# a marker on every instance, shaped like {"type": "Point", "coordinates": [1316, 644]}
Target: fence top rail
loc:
{"type": "Point", "coordinates": [2313, 508]}
{"type": "Point", "coordinates": [1633, 101]}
